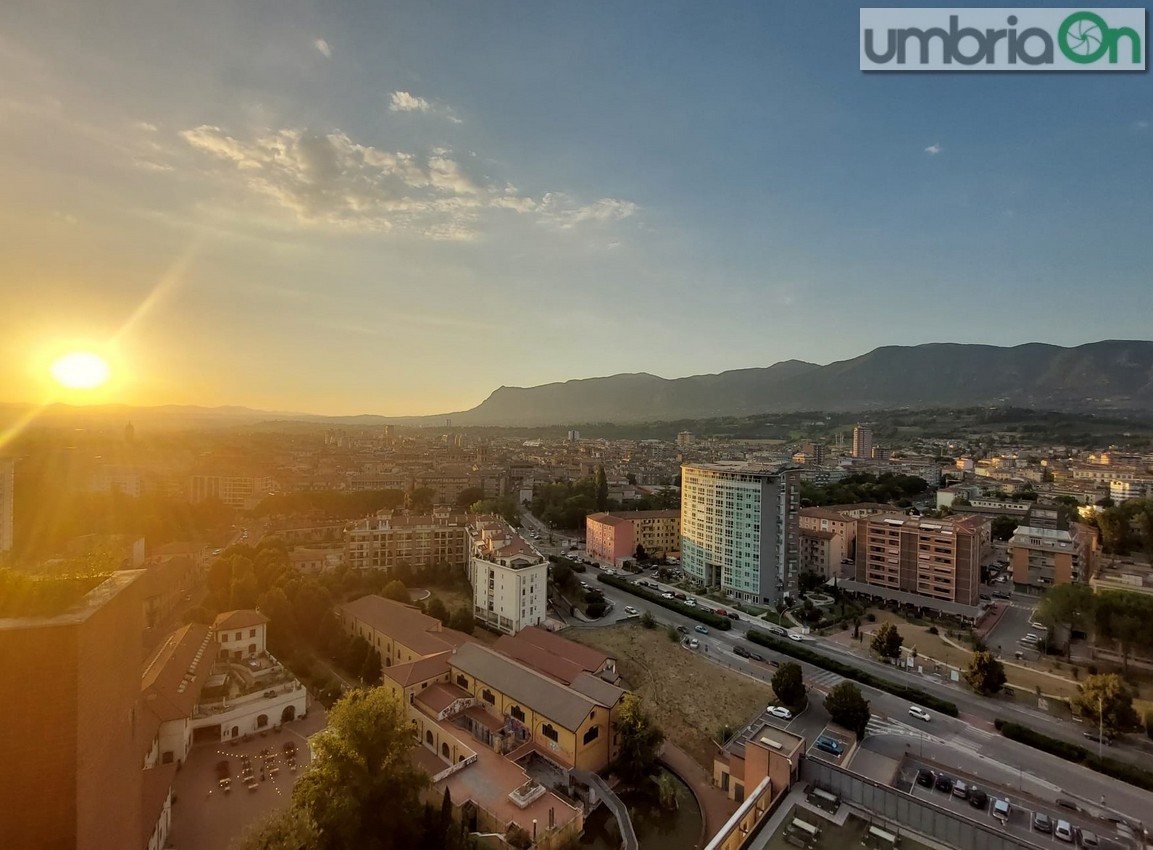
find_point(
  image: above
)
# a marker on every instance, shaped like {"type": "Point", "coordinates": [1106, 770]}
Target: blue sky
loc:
{"type": "Point", "coordinates": [352, 207]}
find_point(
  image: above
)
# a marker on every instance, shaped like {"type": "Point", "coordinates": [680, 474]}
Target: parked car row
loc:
{"type": "Point", "coordinates": [977, 798]}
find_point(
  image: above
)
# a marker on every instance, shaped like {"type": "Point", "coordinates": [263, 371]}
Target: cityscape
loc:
{"type": "Point", "coordinates": [500, 427]}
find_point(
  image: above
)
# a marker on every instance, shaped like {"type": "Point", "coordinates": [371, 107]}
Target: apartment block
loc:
{"type": "Point", "coordinates": [611, 538]}
{"type": "Point", "coordinates": [1048, 548]}
{"type": "Point", "coordinates": [739, 529]}
{"type": "Point", "coordinates": [862, 442]}
{"type": "Point", "coordinates": [243, 492]}
{"type": "Point", "coordinates": [930, 564]}
{"type": "Point", "coordinates": [829, 536]}
{"type": "Point", "coordinates": [509, 577]}
{"type": "Point", "coordinates": [388, 539]}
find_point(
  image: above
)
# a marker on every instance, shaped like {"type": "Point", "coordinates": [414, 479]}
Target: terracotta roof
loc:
{"type": "Point", "coordinates": [825, 513]}
{"type": "Point", "coordinates": [176, 672]}
{"type": "Point", "coordinates": [154, 792]}
{"type": "Point", "coordinates": [585, 657]}
{"type": "Point", "coordinates": [242, 619]}
{"type": "Point", "coordinates": [403, 623]}
{"type": "Point", "coordinates": [561, 705]}
{"type": "Point", "coordinates": [436, 698]}
{"type": "Point", "coordinates": [606, 519]}
{"type": "Point", "coordinates": [598, 689]}
{"type": "Point", "coordinates": [539, 658]}
{"type": "Point", "coordinates": [426, 759]}
{"type": "Point", "coordinates": [493, 724]}
{"type": "Point", "coordinates": [419, 671]}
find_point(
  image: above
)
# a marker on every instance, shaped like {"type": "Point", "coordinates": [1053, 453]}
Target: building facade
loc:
{"type": "Point", "coordinates": [509, 577]}
{"type": "Point", "coordinates": [932, 564]}
{"type": "Point", "coordinates": [1048, 549]}
{"type": "Point", "coordinates": [739, 529]}
{"type": "Point", "coordinates": [388, 539]}
{"type": "Point", "coordinates": [862, 442]}
{"type": "Point", "coordinates": [612, 538]}
{"type": "Point", "coordinates": [243, 492]}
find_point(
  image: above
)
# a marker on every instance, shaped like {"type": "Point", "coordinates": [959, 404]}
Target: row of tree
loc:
{"type": "Point", "coordinates": [1117, 618]}
{"type": "Point", "coordinates": [864, 487]}
{"type": "Point", "coordinates": [1127, 527]}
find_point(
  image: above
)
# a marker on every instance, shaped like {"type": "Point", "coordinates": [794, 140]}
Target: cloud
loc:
{"type": "Point", "coordinates": [559, 209]}
{"type": "Point", "coordinates": [1142, 125]}
{"type": "Point", "coordinates": [322, 45]}
{"type": "Point", "coordinates": [327, 179]}
{"type": "Point", "coordinates": [933, 149]}
{"type": "Point", "coordinates": [402, 101]}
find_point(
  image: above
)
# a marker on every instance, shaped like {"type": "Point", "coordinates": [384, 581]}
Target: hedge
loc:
{"type": "Point", "coordinates": [797, 650]}
{"type": "Point", "coordinates": [1077, 754]}
{"type": "Point", "coordinates": [703, 615]}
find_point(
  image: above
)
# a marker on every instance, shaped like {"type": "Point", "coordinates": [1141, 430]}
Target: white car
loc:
{"type": "Point", "coordinates": [780, 711]}
{"type": "Point", "coordinates": [1041, 627]}
{"type": "Point", "coordinates": [694, 643]}
{"type": "Point", "coordinates": [691, 603]}
{"type": "Point", "coordinates": [631, 611]}
{"type": "Point", "coordinates": [609, 572]}
{"type": "Point", "coordinates": [919, 713]}
{"type": "Point", "coordinates": [666, 596]}
{"type": "Point", "coordinates": [794, 636]}
{"type": "Point", "coordinates": [1063, 831]}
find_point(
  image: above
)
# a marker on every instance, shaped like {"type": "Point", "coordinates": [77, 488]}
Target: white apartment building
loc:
{"type": "Point", "coordinates": [509, 577]}
{"type": "Point", "coordinates": [740, 530]}
{"type": "Point", "coordinates": [7, 500]}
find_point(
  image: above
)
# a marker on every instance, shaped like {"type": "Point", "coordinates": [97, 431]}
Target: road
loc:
{"type": "Point", "coordinates": [970, 734]}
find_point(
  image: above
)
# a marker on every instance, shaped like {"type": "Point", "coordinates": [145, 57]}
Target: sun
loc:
{"type": "Point", "coordinates": [80, 370]}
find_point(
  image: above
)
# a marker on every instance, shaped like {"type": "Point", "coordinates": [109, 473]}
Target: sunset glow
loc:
{"type": "Point", "coordinates": [80, 370]}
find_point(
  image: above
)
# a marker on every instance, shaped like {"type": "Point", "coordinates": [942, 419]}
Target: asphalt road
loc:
{"type": "Point", "coordinates": [970, 736]}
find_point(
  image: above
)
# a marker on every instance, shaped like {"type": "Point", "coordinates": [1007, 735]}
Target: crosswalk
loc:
{"type": "Point", "coordinates": [888, 726]}
{"type": "Point", "coordinates": [824, 680]}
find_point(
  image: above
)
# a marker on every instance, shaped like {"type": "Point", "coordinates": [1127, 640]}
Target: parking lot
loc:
{"type": "Point", "coordinates": [1020, 820]}
{"type": "Point", "coordinates": [1014, 625]}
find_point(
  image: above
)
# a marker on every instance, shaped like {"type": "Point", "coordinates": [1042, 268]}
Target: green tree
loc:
{"type": "Point", "coordinates": [849, 708]}
{"type": "Point", "coordinates": [602, 490]}
{"type": "Point", "coordinates": [648, 620]}
{"type": "Point", "coordinates": [1003, 527]}
{"type": "Point", "coordinates": [985, 674]}
{"type": "Point", "coordinates": [437, 608]}
{"type": "Point", "coordinates": [463, 620]}
{"type": "Point", "coordinates": [640, 554]}
{"type": "Point", "coordinates": [640, 742]}
{"type": "Point", "coordinates": [362, 789]}
{"type": "Point", "coordinates": [789, 684]}
{"type": "Point", "coordinates": [396, 591]}
{"type": "Point", "coordinates": [420, 500]}
{"type": "Point", "coordinates": [809, 580]}
{"type": "Point", "coordinates": [469, 496]}
{"type": "Point", "coordinates": [1105, 699]}
{"type": "Point", "coordinates": [1067, 606]}
{"type": "Point", "coordinates": [887, 641]}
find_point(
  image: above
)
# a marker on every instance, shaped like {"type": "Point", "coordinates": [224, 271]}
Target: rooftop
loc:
{"type": "Point", "coordinates": [28, 602]}
{"type": "Point", "coordinates": [588, 659]}
{"type": "Point", "coordinates": [240, 619]}
{"type": "Point", "coordinates": [405, 624]}
{"type": "Point", "coordinates": [176, 672]}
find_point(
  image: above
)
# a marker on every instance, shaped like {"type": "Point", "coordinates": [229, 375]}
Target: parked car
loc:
{"type": "Point", "coordinates": [961, 789]}
{"type": "Point", "coordinates": [1087, 838]}
{"type": "Point", "coordinates": [1042, 823]}
{"type": "Point", "coordinates": [776, 630]}
{"type": "Point", "coordinates": [733, 615]}
{"type": "Point", "coordinates": [694, 643]}
{"type": "Point", "coordinates": [756, 656]}
{"type": "Point", "coordinates": [631, 611]}
{"type": "Point", "coordinates": [1001, 810]}
{"type": "Point", "coordinates": [926, 778]}
{"type": "Point", "coordinates": [829, 745]}
{"type": "Point", "coordinates": [1000, 594]}
{"type": "Point", "coordinates": [1041, 627]}
{"type": "Point", "coordinates": [1099, 739]}
{"type": "Point", "coordinates": [609, 572]}
{"type": "Point", "coordinates": [584, 585]}
{"type": "Point", "coordinates": [944, 783]}
{"type": "Point", "coordinates": [741, 651]}
{"type": "Point", "coordinates": [978, 799]}
{"type": "Point", "coordinates": [679, 595]}
{"type": "Point", "coordinates": [702, 629]}
{"type": "Point", "coordinates": [666, 596]}
{"type": "Point", "coordinates": [1068, 804]}
{"type": "Point", "coordinates": [780, 712]}
{"type": "Point", "coordinates": [1063, 831]}
{"type": "Point", "coordinates": [919, 713]}
{"type": "Point", "coordinates": [691, 603]}
{"type": "Point", "coordinates": [682, 630]}
{"type": "Point", "coordinates": [794, 636]}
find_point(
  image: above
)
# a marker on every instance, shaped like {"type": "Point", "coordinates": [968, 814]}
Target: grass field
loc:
{"type": "Point", "coordinates": [689, 697]}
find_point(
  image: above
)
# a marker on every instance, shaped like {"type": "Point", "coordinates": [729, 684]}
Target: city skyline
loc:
{"type": "Point", "coordinates": [342, 210]}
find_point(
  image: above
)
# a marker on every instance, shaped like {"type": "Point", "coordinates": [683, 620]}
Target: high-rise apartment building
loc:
{"type": "Point", "coordinates": [930, 563]}
{"type": "Point", "coordinates": [739, 529]}
{"type": "Point", "coordinates": [7, 501]}
{"type": "Point", "coordinates": [684, 439]}
{"type": "Point", "coordinates": [509, 577]}
{"type": "Point", "coordinates": [386, 540]}
{"type": "Point", "coordinates": [862, 442]}
{"type": "Point", "coordinates": [1048, 548]}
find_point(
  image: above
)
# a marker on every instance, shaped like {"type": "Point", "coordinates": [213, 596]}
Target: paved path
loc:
{"type": "Point", "coordinates": [715, 806]}
{"type": "Point", "coordinates": [614, 804]}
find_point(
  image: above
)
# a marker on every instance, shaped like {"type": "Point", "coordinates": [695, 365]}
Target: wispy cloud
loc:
{"type": "Point", "coordinates": [330, 180]}
{"type": "Point", "coordinates": [1142, 125]}
{"type": "Point", "coordinates": [933, 149]}
{"type": "Point", "coordinates": [402, 101]}
{"type": "Point", "coordinates": [322, 45]}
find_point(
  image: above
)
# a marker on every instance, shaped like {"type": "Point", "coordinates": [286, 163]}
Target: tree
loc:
{"type": "Point", "coordinates": [640, 741]}
{"type": "Point", "coordinates": [361, 789]}
{"type": "Point", "coordinates": [396, 591]}
{"type": "Point", "coordinates": [985, 674]}
{"type": "Point", "coordinates": [849, 708]}
{"type": "Point", "coordinates": [602, 489]}
{"type": "Point", "coordinates": [1105, 699]}
{"type": "Point", "coordinates": [463, 620]}
{"type": "Point", "coordinates": [640, 554]}
{"type": "Point", "coordinates": [809, 580]}
{"type": "Point", "coordinates": [648, 620]}
{"type": "Point", "coordinates": [437, 608]}
{"type": "Point", "coordinates": [887, 641]}
{"type": "Point", "coordinates": [469, 496]}
{"type": "Point", "coordinates": [789, 684]}
{"type": "Point", "coordinates": [420, 500]}
{"type": "Point", "coordinates": [1003, 527]}
{"type": "Point", "coordinates": [1068, 606]}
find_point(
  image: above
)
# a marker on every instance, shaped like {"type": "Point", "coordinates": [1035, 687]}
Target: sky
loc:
{"type": "Point", "coordinates": [351, 207]}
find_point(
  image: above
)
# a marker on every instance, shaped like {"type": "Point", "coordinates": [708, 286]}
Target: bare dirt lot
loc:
{"type": "Point", "coordinates": [688, 697]}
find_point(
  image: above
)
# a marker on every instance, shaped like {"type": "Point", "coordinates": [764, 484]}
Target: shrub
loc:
{"type": "Point", "coordinates": [871, 617]}
{"type": "Point", "coordinates": [933, 630]}
{"type": "Point", "coordinates": [1077, 754]}
{"type": "Point", "coordinates": [804, 653]}
{"type": "Point", "coordinates": [701, 615]}
{"type": "Point", "coordinates": [596, 609]}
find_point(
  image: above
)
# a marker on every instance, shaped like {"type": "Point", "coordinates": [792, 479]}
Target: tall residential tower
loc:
{"type": "Point", "coordinates": [739, 528]}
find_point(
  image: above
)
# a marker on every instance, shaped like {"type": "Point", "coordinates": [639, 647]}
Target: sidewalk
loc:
{"type": "Point", "coordinates": [715, 806]}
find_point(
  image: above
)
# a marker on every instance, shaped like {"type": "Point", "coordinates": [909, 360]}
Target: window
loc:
{"type": "Point", "coordinates": [428, 737]}
{"type": "Point", "coordinates": [462, 681]}
{"type": "Point", "coordinates": [489, 697]}
{"type": "Point", "coordinates": [252, 632]}
{"type": "Point", "coordinates": [518, 713]}
{"type": "Point", "coordinates": [549, 732]}
{"type": "Point", "coordinates": [592, 734]}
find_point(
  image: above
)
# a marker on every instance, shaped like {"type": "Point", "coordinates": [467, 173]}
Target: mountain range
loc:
{"type": "Point", "coordinates": [1113, 375]}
